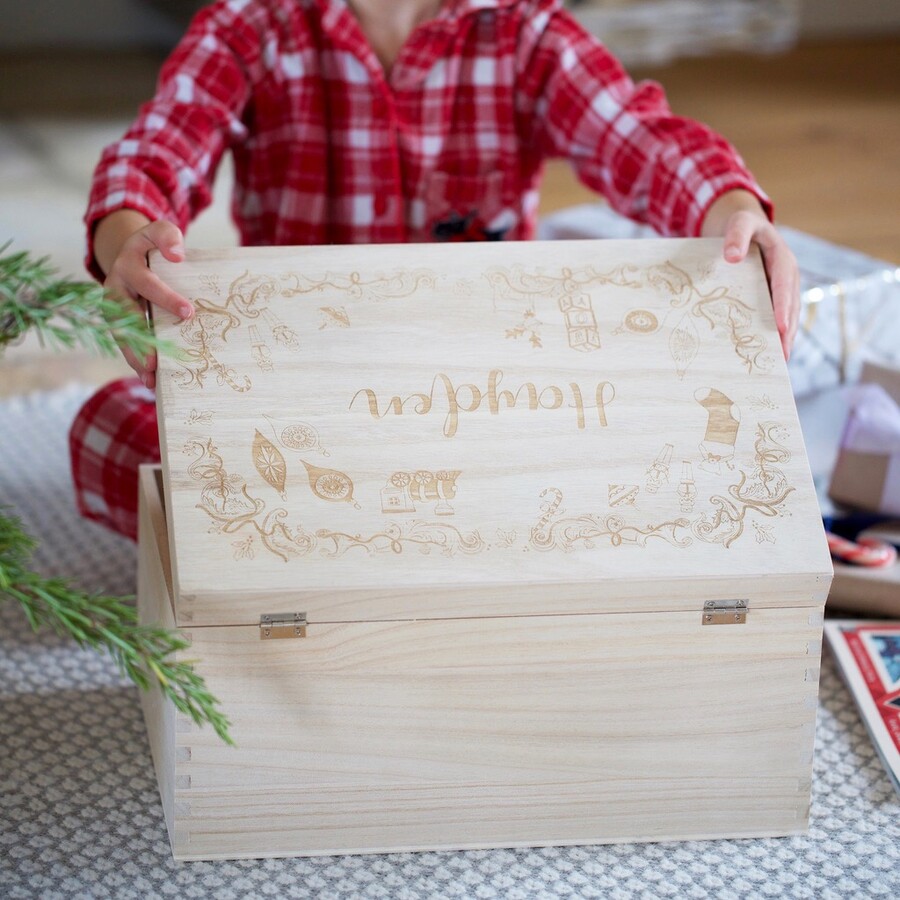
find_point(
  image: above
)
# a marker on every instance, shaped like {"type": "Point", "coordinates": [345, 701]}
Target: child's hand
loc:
{"type": "Point", "coordinates": [738, 217]}
{"type": "Point", "coordinates": [121, 243]}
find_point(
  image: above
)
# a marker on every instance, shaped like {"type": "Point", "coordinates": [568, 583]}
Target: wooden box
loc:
{"type": "Point", "coordinates": [538, 521]}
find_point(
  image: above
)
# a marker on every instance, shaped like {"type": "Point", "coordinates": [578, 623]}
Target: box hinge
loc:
{"type": "Point", "coordinates": [725, 612]}
{"type": "Point", "coordinates": [278, 626]}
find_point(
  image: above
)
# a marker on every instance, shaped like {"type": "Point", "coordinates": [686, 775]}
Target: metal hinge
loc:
{"type": "Point", "coordinates": [277, 626]}
{"type": "Point", "coordinates": [725, 612]}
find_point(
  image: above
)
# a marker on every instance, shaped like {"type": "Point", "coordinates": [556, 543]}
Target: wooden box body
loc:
{"type": "Point", "coordinates": [546, 510]}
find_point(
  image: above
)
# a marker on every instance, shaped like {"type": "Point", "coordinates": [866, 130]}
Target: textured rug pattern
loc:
{"type": "Point", "coordinates": [80, 815]}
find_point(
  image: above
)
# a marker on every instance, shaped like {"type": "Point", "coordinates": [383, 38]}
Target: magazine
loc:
{"type": "Point", "coordinates": [868, 654]}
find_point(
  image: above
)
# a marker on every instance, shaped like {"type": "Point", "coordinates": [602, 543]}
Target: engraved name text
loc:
{"type": "Point", "coordinates": [468, 398]}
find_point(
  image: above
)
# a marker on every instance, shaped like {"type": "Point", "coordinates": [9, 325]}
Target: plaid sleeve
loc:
{"type": "Point", "coordinates": [622, 139]}
{"type": "Point", "coordinates": [111, 436]}
{"type": "Point", "coordinates": [165, 164]}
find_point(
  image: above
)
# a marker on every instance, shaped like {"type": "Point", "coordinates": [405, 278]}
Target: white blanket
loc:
{"type": "Point", "coordinates": [80, 815]}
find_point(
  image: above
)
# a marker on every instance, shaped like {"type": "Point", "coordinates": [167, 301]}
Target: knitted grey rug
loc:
{"type": "Point", "coordinates": [80, 815]}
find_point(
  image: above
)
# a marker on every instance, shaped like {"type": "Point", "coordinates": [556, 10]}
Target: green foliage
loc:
{"type": "Point", "coordinates": [144, 654]}
{"type": "Point", "coordinates": [66, 314]}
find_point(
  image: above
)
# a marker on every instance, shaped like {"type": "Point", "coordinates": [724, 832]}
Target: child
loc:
{"type": "Point", "coordinates": [376, 121]}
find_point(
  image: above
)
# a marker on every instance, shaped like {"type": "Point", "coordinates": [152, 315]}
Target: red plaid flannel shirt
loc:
{"type": "Point", "coordinates": [449, 145]}
{"type": "Point", "coordinates": [113, 433]}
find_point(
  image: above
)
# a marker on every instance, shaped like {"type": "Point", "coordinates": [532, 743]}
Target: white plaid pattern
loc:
{"type": "Point", "coordinates": [318, 129]}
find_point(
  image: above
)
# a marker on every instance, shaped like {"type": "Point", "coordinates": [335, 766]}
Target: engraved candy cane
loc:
{"type": "Point", "coordinates": [549, 507]}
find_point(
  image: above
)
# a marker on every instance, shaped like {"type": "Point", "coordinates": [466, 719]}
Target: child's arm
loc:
{"type": "Point", "coordinates": [577, 102]}
{"type": "Point", "coordinates": [738, 217]}
{"type": "Point", "coordinates": [148, 186]}
{"type": "Point", "coordinates": [122, 241]}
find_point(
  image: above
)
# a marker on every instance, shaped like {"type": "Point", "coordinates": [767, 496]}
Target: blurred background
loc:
{"type": "Point", "coordinates": [808, 90]}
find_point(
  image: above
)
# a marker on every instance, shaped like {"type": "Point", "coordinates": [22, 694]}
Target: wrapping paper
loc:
{"type": "Point", "coordinates": [850, 316]}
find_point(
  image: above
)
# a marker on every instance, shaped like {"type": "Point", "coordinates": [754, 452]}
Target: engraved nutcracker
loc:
{"type": "Point", "coordinates": [687, 489]}
{"type": "Point", "coordinates": [659, 470]}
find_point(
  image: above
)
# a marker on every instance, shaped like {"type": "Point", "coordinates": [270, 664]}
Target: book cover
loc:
{"type": "Point", "coordinates": [868, 654]}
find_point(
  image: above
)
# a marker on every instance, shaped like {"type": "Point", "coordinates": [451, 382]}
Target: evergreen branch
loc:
{"type": "Point", "coordinates": [145, 654]}
{"type": "Point", "coordinates": [67, 313]}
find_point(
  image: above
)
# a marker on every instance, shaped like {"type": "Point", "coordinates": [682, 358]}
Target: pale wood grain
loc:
{"type": "Point", "coordinates": [393, 362]}
{"type": "Point", "coordinates": [155, 608]}
{"type": "Point", "coordinates": [495, 732]}
{"type": "Point", "coordinates": [551, 697]}
{"type": "Point", "coordinates": [484, 817]}
{"type": "Point", "coordinates": [548, 678]}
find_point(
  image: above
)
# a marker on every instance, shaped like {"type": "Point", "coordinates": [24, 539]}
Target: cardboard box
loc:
{"type": "Point", "coordinates": [873, 592]}
{"type": "Point", "coordinates": [538, 521]}
{"type": "Point", "coordinates": [866, 475]}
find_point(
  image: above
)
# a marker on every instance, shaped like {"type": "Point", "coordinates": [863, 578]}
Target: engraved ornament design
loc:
{"type": "Point", "coordinates": [248, 302]}
{"type": "Point", "coordinates": [226, 498]}
{"type": "Point", "coordinates": [762, 491]}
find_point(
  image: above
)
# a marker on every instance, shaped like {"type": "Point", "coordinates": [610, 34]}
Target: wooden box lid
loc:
{"type": "Point", "coordinates": [421, 431]}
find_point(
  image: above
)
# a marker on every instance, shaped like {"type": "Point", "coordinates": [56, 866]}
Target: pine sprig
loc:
{"type": "Point", "coordinates": [66, 313]}
{"type": "Point", "coordinates": [144, 654]}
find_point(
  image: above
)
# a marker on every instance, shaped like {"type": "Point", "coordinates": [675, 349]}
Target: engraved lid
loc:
{"type": "Point", "coordinates": [395, 432]}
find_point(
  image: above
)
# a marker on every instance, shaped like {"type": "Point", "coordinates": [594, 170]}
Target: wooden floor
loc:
{"type": "Point", "coordinates": [819, 126]}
